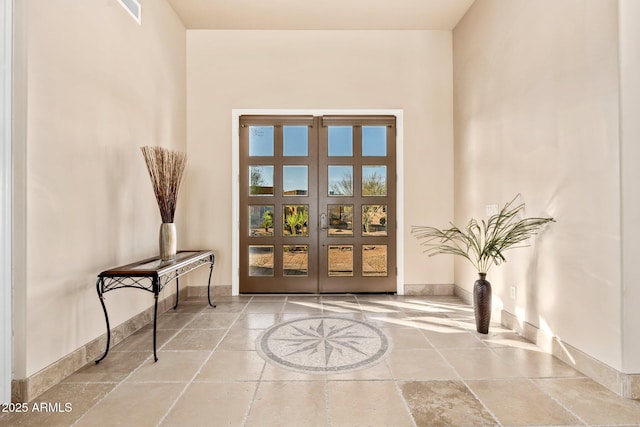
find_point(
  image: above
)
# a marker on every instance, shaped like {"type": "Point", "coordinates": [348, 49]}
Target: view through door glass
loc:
{"type": "Point", "coordinates": [317, 204]}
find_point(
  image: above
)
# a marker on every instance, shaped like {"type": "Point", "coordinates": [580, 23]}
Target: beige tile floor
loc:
{"type": "Point", "coordinates": [439, 373]}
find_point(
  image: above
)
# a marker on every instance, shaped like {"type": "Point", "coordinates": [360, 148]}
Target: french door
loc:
{"type": "Point", "coordinates": [317, 204]}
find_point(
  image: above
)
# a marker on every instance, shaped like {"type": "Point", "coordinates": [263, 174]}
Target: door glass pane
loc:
{"type": "Point", "coordinates": [374, 141]}
{"type": "Point", "coordinates": [340, 260]}
{"type": "Point", "coordinates": [374, 220]}
{"type": "Point", "coordinates": [340, 220]}
{"type": "Point", "coordinates": [374, 260]}
{"type": "Point", "coordinates": [340, 181]}
{"type": "Point", "coordinates": [295, 220]}
{"type": "Point", "coordinates": [260, 140]}
{"type": "Point", "coordinates": [261, 180]}
{"type": "Point", "coordinates": [340, 141]}
{"type": "Point", "coordinates": [295, 260]}
{"type": "Point", "coordinates": [260, 260]}
{"type": "Point", "coordinates": [295, 180]}
{"type": "Point", "coordinates": [374, 180]}
{"type": "Point", "coordinates": [296, 141]}
{"type": "Point", "coordinates": [261, 220]}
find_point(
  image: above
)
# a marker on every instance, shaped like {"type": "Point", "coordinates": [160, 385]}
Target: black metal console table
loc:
{"type": "Point", "coordinates": [152, 275]}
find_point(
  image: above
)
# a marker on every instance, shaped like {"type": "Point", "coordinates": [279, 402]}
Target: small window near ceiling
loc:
{"type": "Point", "coordinates": [134, 9]}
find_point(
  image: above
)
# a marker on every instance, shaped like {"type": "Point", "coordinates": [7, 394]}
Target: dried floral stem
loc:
{"type": "Point", "coordinates": [165, 170]}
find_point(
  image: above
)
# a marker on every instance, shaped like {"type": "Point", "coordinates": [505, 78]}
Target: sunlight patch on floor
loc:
{"type": "Point", "coordinates": [426, 308]}
{"type": "Point", "coordinates": [331, 307]}
{"type": "Point", "coordinates": [307, 304]}
{"type": "Point", "coordinates": [435, 324]}
{"type": "Point", "coordinates": [515, 344]}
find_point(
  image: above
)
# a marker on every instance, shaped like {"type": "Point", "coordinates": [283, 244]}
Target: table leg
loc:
{"type": "Point", "coordinates": [209, 285]}
{"type": "Point", "coordinates": [99, 284]}
{"type": "Point", "coordinates": [155, 321]}
{"type": "Point", "coordinates": [177, 294]}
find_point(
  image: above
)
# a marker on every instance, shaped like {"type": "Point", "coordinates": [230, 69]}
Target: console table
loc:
{"type": "Point", "coordinates": [152, 275]}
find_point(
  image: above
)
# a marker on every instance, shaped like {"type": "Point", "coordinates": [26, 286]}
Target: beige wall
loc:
{"type": "Point", "coordinates": [93, 87]}
{"type": "Point", "coordinates": [408, 70]}
{"type": "Point", "coordinates": [629, 15]}
{"type": "Point", "coordinates": [537, 113]}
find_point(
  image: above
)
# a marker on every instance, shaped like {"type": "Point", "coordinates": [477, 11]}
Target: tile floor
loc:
{"type": "Point", "coordinates": [439, 373]}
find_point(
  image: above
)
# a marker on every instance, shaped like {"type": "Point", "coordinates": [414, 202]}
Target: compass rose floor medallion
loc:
{"type": "Point", "coordinates": [323, 345]}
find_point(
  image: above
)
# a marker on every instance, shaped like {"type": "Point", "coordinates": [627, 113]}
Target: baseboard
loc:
{"type": "Point", "coordinates": [416, 290]}
{"type": "Point", "coordinates": [27, 389]}
{"type": "Point", "coordinates": [216, 291]}
{"type": "Point", "coordinates": [463, 294]}
{"type": "Point", "coordinates": [435, 290]}
{"type": "Point", "coordinates": [625, 385]}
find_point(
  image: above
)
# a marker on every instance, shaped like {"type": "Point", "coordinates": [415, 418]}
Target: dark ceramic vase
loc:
{"type": "Point", "coordinates": [482, 303]}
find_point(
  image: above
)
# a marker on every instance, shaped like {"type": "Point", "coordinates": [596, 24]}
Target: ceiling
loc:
{"type": "Point", "coordinates": [321, 14]}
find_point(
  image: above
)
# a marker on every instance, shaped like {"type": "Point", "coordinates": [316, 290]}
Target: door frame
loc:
{"type": "Point", "coordinates": [6, 183]}
{"type": "Point", "coordinates": [235, 179]}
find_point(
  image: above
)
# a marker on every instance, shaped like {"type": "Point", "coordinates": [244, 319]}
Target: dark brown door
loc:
{"type": "Point", "coordinates": [317, 204]}
{"type": "Point", "coordinates": [356, 193]}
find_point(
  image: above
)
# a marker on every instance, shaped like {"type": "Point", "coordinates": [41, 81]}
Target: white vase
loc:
{"type": "Point", "coordinates": [168, 241]}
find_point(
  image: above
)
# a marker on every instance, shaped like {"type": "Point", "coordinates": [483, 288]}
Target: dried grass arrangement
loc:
{"type": "Point", "coordinates": [166, 168]}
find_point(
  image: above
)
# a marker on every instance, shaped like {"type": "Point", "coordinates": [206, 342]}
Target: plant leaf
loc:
{"type": "Point", "coordinates": [484, 243]}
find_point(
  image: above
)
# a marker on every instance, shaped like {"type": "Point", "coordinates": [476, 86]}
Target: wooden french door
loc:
{"type": "Point", "coordinates": [317, 204]}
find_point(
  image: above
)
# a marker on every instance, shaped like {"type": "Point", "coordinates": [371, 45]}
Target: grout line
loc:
{"type": "Point", "coordinates": [462, 380]}
{"type": "Point", "coordinates": [327, 400]}
{"type": "Point", "coordinates": [247, 413]}
{"type": "Point", "coordinates": [144, 361]}
{"type": "Point", "coordinates": [118, 385]}
{"type": "Point", "coordinates": [245, 419]}
{"type": "Point", "coordinates": [124, 379]}
{"type": "Point", "coordinates": [357, 303]}
{"type": "Point", "coordinates": [562, 405]}
{"type": "Point", "coordinates": [199, 370]}
{"type": "Point", "coordinates": [396, 382]}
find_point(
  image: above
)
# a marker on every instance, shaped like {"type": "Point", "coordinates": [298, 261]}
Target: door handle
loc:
{"type": "Point", "coordinates": [323, 221]}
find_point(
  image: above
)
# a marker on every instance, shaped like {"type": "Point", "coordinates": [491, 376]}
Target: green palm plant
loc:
{"type": "Point", "coordinates": [292, 221]}
{"type": "Point", "coordinates": [483, 243]}
{"type": "Point", "coordinates": [303, 218]}
{"type": "Point", "coordinates": [298, 218]}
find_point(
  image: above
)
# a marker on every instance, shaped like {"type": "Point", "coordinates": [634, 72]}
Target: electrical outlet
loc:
{"type": "Point", "coordinates": [513, 292]}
